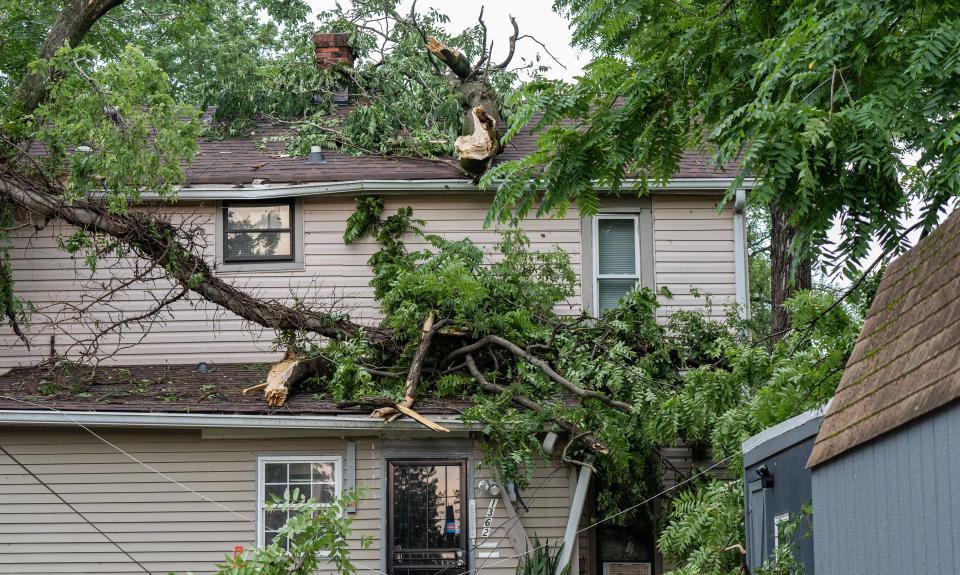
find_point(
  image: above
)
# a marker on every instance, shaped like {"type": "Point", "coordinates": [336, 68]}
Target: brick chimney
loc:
{"type": "Point", "coordinates": [332, 49]}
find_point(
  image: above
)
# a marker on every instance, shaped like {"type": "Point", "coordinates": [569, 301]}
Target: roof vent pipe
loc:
{"type": "Point", "coordinates": [316, 156]}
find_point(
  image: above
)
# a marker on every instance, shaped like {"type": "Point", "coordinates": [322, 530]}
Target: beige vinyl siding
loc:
{"type": "Point", "coordinates": [333, 274]}
{"type": "Point", "coordinates": [548, 498]}
{"type": "Point", "coordinates": [694, 251]}
{"type": "Point", "coordinates": [161, 524]}
{"type": "Point", "coordinates": [170, 529]}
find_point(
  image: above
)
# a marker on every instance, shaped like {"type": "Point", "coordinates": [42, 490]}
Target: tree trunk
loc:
{"type": "Point", "coordinates": [71, 25]}
{"type": "Point", "coordinates": [785, 277]}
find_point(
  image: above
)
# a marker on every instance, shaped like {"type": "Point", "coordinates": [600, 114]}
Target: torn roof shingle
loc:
{"type": "Point", "coordinates": [906, 362]}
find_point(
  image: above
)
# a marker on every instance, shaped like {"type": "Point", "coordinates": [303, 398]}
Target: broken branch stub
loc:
{"type": "Point", "coordinates": [282, 375]}
{"type": "Point", "coordinates": [477, 149]}
{"type": "Point", "coordinates": [453, 58]}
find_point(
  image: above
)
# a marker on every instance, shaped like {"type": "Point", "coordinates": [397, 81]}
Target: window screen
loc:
{"type": "Point", "coordinates": [616, 247]}
{"type": "Point", "coordinates": [315, 478]}
{"type": "Point", "coordinates": [258, 232]}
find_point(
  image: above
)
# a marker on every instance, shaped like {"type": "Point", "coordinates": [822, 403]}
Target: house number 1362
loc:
{"type": "Point", "coordinates": [488, 519]}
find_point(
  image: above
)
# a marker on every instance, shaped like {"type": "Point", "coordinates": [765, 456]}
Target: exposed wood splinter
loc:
{"type": "Point", "coordinates": [282, 375]}
{"type": "Point", "coordinates": [476, 149]}
{"type": "Point", "coordinates": [257, 387]}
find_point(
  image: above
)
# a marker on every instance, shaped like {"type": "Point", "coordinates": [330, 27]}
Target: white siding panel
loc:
{"type": "Point", "coordinates": [162, 525]}
{"type": "Point", "coordinates": [693, 253]}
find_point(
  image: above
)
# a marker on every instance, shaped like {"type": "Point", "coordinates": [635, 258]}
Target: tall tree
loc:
{"type": "Point", "coordinates": [820, 101]}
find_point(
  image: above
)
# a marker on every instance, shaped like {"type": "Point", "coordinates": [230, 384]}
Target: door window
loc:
{"type": "Point", "coordinates": [427, 517]}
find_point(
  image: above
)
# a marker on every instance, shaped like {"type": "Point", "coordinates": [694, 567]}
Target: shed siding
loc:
{"type": "Point", "coordinates": [890, 506]}
{"type": "Point", "coordinates": [694, 249]}
{"type": "Point", "coordinates": [170, 529]}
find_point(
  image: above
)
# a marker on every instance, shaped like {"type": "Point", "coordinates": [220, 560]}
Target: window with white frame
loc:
{"type": "Point", "coordinates": [316, 477]}
{"type": "Point", "coordinates": [616, 258]}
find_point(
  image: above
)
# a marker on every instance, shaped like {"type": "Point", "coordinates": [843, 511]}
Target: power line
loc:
{"type": "Point", "coordinates": [74, 509]}
{"type": "Point", "coordinates": [360, 565]}
{"type": "Point", "coordinates": [129, 456]}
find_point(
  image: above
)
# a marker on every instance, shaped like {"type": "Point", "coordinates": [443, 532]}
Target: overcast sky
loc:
{"type": "Point", "coordinates": [535, 17]}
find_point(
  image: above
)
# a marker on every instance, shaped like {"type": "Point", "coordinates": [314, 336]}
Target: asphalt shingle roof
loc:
{"type": "Point", "coordinates": [906, 362]}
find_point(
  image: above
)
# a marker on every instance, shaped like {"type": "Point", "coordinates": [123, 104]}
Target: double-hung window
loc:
{"type": "Point", "coordinates": [616, 258]}
{"type": "Point", "coordinates": [258, 231]}
{"type": "Point", "coordinates": [316, 477]}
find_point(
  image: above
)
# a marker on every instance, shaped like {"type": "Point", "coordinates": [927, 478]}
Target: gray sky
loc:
{"type": "Point", "coordinates": [534, 17]}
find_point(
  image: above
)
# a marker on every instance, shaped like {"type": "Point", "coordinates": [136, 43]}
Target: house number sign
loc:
{"type": "Point", "coordinates": [488, 519]}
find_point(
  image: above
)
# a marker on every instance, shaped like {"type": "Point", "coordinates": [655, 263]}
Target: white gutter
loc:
{"type": "Point", "coordinates": [205, 420]}
{"type": "Point", "coordinates": [740, 257]}
{"type": "Point", "coordinates": [352, 187]}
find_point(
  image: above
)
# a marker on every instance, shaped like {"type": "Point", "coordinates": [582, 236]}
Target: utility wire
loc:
{"type": "Point", "coordinates": [72, 508]}
{"type": "Point", "coordinates": [360, 565]}
{"type": "Point", "coordinates": [129, 456]}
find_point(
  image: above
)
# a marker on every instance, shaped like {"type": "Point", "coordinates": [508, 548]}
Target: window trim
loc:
{"type": "Point", "coordinates": [292, 230]}
{"type": "Point", "coordinates": [262, 460]}
{"type": "Point", "coordinates": [596, 254]}
{"type": "Point", "coordinates": [261, 265]}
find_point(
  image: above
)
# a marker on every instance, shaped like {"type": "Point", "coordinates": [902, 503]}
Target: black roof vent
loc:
{"type": "Point", "coordinates": [316, 156]}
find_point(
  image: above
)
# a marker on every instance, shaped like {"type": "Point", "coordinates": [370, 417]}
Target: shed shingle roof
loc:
{"type": "Point", "coordinates": [906, 362]}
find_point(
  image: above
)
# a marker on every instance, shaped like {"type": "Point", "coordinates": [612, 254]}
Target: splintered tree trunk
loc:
{"type": "Point", "coordinates": [477, 149]}
{"type": "Point", "coordinates": [785, 277]}
{"type": "Point", "coordinates": [480, 141]}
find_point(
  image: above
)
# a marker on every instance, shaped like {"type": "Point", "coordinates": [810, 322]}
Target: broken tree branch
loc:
{"type": "Point", "coordinates": [477, 149]}
{"type": "Point", "coordinates": [513, 45]}
{"type": "Point", "coordinates": [537, 362]}
{"type": "Point", "coordinates": [159, 242]}
{"type": "Point", "coordinates": [454, 59]}
{"type": "Point", "coordinates": [584, 437]}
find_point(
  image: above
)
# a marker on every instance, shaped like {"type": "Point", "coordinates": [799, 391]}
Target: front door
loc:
{"type": "Point", "coordinates": [427, 517]}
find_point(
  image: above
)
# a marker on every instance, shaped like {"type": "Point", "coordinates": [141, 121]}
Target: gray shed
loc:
{"type": "Point", "coordinates": [886, 463]}
{"type": "Point", "coordinates": [777, 486]}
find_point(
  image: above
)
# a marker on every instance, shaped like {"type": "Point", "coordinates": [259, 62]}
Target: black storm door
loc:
{"type": "Point", "coordinates": [427, 517]}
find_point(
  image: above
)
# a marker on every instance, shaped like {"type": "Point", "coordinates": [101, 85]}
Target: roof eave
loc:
{"type": "Point", "coordinates": [386, 187]}
{"type": "Point", "coordinates": [221, 421]}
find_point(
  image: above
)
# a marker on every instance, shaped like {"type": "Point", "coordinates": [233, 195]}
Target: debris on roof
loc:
{"type": "Point", "coordinates": [216, 388]}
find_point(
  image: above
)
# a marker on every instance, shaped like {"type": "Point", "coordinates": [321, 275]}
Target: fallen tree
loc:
{"type": "Point", "coordinates": [112, 124]}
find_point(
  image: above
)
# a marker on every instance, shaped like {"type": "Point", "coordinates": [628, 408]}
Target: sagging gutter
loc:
{"type": "Point", "coordinates": [214, 421]}
{"type": "Point", "coordinates": [387, 187]}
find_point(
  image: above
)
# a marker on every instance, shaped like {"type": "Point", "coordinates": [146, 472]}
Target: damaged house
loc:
{"type": "Point", "coordinates": [167, 445]}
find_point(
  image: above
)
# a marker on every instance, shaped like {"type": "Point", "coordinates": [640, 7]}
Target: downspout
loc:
{"type": "Point", "coordinates": [740, 261]}
{"type": "Point", "coordinates": [573, 521]}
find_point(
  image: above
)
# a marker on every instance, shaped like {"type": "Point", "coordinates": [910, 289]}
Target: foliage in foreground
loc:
{"type": "Point", "coordinates": [313, 535]}
{"type": "Point", "coordinates": [844, 110]}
